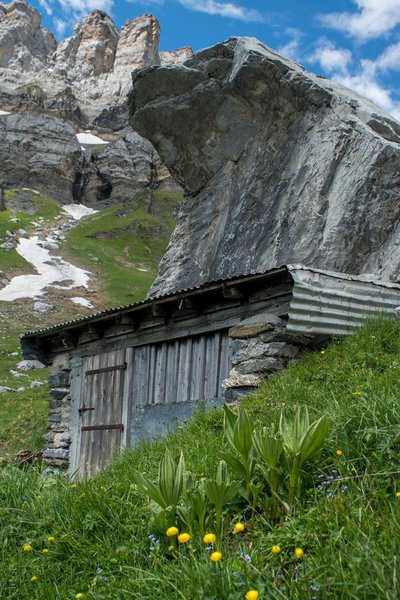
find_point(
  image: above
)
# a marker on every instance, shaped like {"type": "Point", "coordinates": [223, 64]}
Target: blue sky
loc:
{"type": "Point", "coordinates": [356, 42]}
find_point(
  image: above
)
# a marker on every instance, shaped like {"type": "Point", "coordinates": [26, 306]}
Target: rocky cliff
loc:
{"type": "Point", "coordinates": [57, 90]}
{"type": "Point", "coordinates": [278, 165]}
{"type": "Point", "coordinates": [85, 77]}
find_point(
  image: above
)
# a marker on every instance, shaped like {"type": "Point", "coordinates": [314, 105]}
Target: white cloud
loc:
{"type": "Point", "coordinates": [60, 25]}
{"type": "Point", "coordinates": [292, 48]}
{"type": "Point", "coordinates": [223, 9]}
{"type": "Point", "coordinates": [365, 80]}
{"type": "Point", "coordinates": [331, 59]}
{"type": "Point", "coordinates": [46, 6]}
{"type": "Point", "coordinates": [373, 19]}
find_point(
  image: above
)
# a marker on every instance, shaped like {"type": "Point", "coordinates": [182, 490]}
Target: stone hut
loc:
{"type": "Point", "coordinates": [129, 373]}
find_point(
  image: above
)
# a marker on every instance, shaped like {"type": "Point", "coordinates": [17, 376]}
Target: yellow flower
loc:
{"type": "Point", "coordinates": [398, 494]}
{"type": "Point", "coordinates": [209, 538]}
{"type": "Point", "coordinates": [34, 578]}
{"type": "Point", "coordinates": [339, 452]}
{"type": "Point", "coordinates": [299, 552]}
{"type": "Point", "coordinates": [171, 531]}
{"type": "Point", "coordinates": [27, 548]}
{"type": "Point", "coordinates": [275, 549]}
{"type": "Point", "coordinates": [103, 489]}
{"type": "Point", "coordinates": [74, 486]}
{"type": "Point", "coordinates": [322, 351]}
{"type": "Point", "coordinates": [216, 556]}
{"type": "Point", "coordinates": [239, 527]}
{"type": "Point", "coordinates": [373, 337]}
{"type": "Point", "coordinates": [50, 538]}
{"type": "Point", "coordinates": [45, 550]}
{"type": "Point", "coordinates": [79, 596]}
{"type": "Point", "coordinates": [252, 595]}
{"type": "Point", "coordinates": [183, 538]}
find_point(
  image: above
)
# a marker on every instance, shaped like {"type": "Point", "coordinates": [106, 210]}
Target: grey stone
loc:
{"type": "Point", "coordinates": [257, 349]}
{"type": "Point", "coordinates": [28, 365]}
{"type": "Point", "coordinates": [4, 388]}
{"type": "Point", "coordinates": [287, 167]}
{"type": "Point", "coordinates": [253, 326]}
{"type": "Point", "coordinates": [9, 244]}
{"type": "Point", "coordinates": [59, 379]}
{"type": "Point", "coordinates": [59, 393]}
{"type": "Point", "coordinates": [36, 384]}
{"type": "Point", "coordinates": [237, 379]}
{"type": "Point", "coordinates": [42, 306]}
{"type": "Point", "coordinates": [56, 453]}
{"type": "Point", "coordinates": [261, 365]}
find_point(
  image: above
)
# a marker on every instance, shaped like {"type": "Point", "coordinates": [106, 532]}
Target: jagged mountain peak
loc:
{"type": "Point", "coordinates": [91, 68]}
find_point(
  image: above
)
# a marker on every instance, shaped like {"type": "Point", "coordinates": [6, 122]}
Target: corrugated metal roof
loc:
{"type": "Point", "coordinates": [323, 303]}
{"type": "Point", "coordinates": [333, 304]}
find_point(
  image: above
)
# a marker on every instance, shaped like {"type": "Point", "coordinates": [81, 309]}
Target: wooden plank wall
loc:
{"type": "Point", "coordinates": [185, 370]}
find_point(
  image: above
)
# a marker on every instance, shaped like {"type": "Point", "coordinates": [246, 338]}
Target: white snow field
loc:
{"type": "Point", "coordinates": [52, 271]}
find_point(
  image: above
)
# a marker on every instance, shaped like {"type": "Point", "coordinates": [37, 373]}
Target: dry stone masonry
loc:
{"type": "Point", "coordinates": [58, 439]}
{"type": "Point", "coordinates": [260, 348]}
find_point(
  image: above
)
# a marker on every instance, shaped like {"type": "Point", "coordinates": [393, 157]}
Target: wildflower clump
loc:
{"type": "Point", "coordinates": [172, 531]}
{"type": "Point", "coordinates": [183, 538]}
{"type": "Point", "coordinates": [216, 556]}
{"type": "Point", "coordinates": [238, 528]}
{"type": "Point", "coordinates": [209, 538]}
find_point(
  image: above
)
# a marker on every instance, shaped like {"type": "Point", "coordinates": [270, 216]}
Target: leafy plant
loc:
{"type": "Point", "coordinates": [220, 491]}
{"type": "Point", "coordinates": [167, 491]}
{"type": "Point", "coordinates": [302, 440]}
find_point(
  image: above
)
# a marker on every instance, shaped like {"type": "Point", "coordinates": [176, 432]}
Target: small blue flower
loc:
{"type": "Point", "coordinates": [99, 570]}
{"type": "Point", "coordinates": [152, 547]}
{"type": "Point", "coordinates": [245, 556]}
{"type": "Point", "coordinates": [334, 470]}
{"type": "Point", "coordinates": [314, 588]}
{"type": "Point", "coordinates": [209, 547]}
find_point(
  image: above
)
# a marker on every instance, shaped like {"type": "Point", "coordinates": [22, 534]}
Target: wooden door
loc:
{"type": "Point", "coordinates": [101, 411]}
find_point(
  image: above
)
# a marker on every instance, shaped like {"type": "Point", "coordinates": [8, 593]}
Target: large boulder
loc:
{"type": "Point", "coordinates": [278, 165]}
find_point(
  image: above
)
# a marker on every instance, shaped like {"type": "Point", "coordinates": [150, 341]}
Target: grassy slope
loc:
{"type": "Point", "coordinates": [123, 238]}
{"type": "Point", "coordinates": [10, 261]}
{"type": "Point", "coordinates": [124, 244]}
{"type": "Point", "coordinates": [349, 529]}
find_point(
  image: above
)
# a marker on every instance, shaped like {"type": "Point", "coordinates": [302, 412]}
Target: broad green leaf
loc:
{"type": "Point", "coordinates": [242, 433]}
{"type": "Point", "coordinates": [314, 438]}
{"type": "Point", "coordinates": [269, 448]}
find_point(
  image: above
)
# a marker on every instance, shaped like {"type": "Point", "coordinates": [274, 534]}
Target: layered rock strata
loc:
{"type": "Point", "coordinates": [279, 166]}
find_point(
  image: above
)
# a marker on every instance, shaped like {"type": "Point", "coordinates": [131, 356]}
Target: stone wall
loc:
{"type": "Point", "coordinates": [56, 452]}
{"type": "Point", "coordinates": [261, 347]}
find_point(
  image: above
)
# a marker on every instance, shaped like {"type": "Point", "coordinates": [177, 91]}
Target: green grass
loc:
{"type": "Point", "coordinates": [123, 245]}
{"type": "Point", "coordinates": [348, 526]}
{"type": "Point", "coordinates": [10, 261]}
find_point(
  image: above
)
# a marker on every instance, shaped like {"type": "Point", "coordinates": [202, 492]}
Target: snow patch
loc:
{"type": "Point", "coordinates": [77, 211]}
{"type": "Point", "coordinates": [88, 139]}
{"type": "Point", "coordinates": [82, 302]}
{"type": "Point", "coordinates": [52, 270]}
